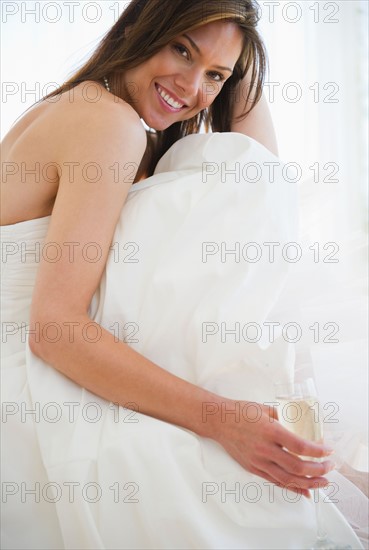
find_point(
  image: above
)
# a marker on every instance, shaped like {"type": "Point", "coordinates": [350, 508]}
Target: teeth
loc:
{"type": "Point", "coordinates": [169, 99]}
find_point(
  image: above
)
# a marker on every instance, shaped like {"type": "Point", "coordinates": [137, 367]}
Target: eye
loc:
{"type": "Point", "coordinates": [182, 50]}
{"type": "Point", "coordinates": [218, 77]}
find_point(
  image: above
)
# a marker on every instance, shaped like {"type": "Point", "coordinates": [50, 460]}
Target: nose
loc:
{"type": "Point", "coordinates": [189, 81]}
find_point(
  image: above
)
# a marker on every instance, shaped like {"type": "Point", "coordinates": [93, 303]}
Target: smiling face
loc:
{"type": "Point", "coordinates": [185, 76]}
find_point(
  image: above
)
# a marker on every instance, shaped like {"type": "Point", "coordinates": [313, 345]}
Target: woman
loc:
{"type": "Point", "coordinates": [164, 63]}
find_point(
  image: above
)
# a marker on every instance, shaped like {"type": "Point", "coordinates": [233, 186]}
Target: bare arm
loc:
{"type": "Point", "coordinates": [258, 123]}
{"type": "Point", "coordinates": [87, 212]}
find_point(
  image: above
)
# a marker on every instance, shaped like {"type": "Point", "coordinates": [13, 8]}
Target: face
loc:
{"type": "Point", "coordinates": [185, 76]}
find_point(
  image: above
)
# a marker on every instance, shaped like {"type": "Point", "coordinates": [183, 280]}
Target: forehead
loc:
{"type": "Point", "coordinates": [220, 38]}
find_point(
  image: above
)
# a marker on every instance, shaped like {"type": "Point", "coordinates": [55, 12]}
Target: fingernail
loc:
{"type": "Point", "coordinates": [328, 451]}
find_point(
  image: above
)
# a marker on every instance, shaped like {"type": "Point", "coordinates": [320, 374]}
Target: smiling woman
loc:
{"type": "Point", "coordinates": [68, 309]}
{"type": "Point", "coordinates": [184, 78]}
{"type": "Point", "coordinates": [172, 72]}
{"type": "Point", "coordinates": [150, 48]}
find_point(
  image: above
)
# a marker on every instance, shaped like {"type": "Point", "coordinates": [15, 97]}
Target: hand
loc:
{"type": "Point", "coordinates": [258, 442]}
{"type": "Point", "coordinates": [258, 124]}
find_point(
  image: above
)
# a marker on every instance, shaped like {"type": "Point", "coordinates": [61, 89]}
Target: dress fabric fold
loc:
{"type": "Point", "coordinates": [190, 284]}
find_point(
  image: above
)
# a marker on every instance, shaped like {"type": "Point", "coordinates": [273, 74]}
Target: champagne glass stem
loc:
{"type": "Point", "coordinates": [321, 532]}
{"type": "Point", "coordinates": [302, 396]}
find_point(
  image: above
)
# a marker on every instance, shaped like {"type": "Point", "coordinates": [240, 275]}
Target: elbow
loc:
{"type": "Point", "coordinates": [39, 333]}
{"type": "Point", "coordinates": [33, 342]}
{"type": "Point", "coordinates": [48, 331]}
{"type": "Point", "coordinates": [36, 340]}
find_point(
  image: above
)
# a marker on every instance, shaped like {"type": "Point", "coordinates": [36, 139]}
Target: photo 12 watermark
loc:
{"type": "Point", "coordinates": [71, 412]}
{"type": "Point", "coordinates": [52, 332]}
{"type": "Point", "coordinates": [70, 12]}
{"type": "Point", "coordinates": [68, 172]}
{"type": "Point", "coordinates": [69, 251]}
{"type": "Point", "coordinates": [270, 252]}
{"type": "Point", "coordinates": [272, 171]}
{"type": "Point", "coordinates": [274, 11]}
{"type": "Point", "coordinates": [253, 492]}
{"type": "Point", "coordinates": [268, 332]}
{"type": "Point", "coordinates": [288, 412]}
{"type": "Point", "coordinates": [89, 91]}
{"type": "Point", "coordinates": [69, 492]}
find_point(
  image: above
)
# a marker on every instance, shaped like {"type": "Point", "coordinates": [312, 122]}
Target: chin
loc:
{"type": "Point", "coordinates": [158, 126]}
{"type": "Point", "coordinates": [160, 123]}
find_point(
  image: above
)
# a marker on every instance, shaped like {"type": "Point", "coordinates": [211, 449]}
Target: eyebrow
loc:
{"type": "Point", "coordinates": [195, 47]}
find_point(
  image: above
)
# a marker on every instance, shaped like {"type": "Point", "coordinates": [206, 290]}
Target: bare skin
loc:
{"type": "Point", "coordinates": [83, 132]}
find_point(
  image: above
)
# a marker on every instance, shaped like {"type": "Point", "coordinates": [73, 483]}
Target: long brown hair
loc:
{"type": "Point", "coordinates": [152, 25]}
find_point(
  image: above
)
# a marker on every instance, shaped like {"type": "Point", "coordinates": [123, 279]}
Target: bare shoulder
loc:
{"type": "Point", "coordinates": [88, 112]}
{"type": "Point", "coordinates": [86, 126]}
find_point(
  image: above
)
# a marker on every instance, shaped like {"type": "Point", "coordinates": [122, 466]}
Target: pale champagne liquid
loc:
{"type": "Point", "coordinates": [302, 417]}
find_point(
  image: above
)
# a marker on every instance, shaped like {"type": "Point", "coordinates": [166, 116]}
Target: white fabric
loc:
{"type": "Point", "coordinates": [158, 472]}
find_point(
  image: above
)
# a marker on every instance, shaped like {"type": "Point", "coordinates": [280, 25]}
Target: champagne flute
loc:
{"type": "Point", "coordinates": [299, 412]}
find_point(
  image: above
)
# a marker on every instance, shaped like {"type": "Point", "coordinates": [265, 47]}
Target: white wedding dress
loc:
{"type": "Point", "coordinates": [81, 473]}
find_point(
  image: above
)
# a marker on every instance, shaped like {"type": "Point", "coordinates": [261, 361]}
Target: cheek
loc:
{"type": "Point", "coordinates": [161, 64]}
{"type": "Point", "coordinates": [209, 92]}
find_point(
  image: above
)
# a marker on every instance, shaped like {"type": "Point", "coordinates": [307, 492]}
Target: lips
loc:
{"type": "Point", "coordinates": [170, 99]}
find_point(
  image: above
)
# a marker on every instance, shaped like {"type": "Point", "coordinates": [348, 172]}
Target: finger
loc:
{"type": "Point", "coordinates": [300, 446]}
{"type": "Point", "coordinates": [274, 413]}
{"type": "Point", "coordinates": [271, 411]}
{"type": "Point", "coordinates": [273, 480]}
{"type": "Point", "coordinates": [295, 465]}
{"type": "Point", "coordinates": [264, 475]}
{"type": "Point", "coordinates": [287, 479]}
